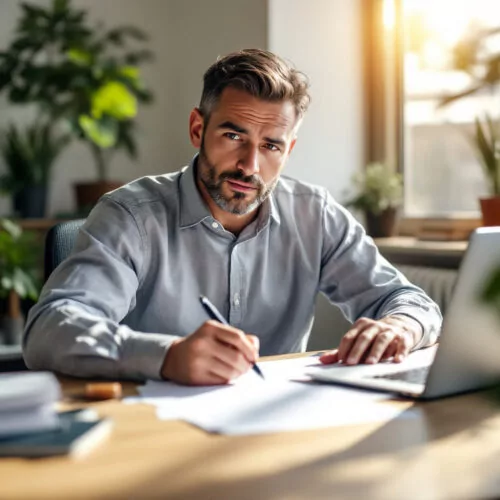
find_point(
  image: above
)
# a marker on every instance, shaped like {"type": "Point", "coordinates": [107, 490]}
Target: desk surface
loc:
{"type": "Point", "coordinates": [449, 450]}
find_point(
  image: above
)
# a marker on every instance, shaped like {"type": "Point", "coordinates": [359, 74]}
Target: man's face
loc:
{"type": "Point", "coordinates": [243, 149]}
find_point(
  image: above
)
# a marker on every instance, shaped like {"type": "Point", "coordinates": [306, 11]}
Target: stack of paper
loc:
{"type": "Point", "coordinates": [27, 402]}
{"type": "Point", "coordinates": [251, 405]}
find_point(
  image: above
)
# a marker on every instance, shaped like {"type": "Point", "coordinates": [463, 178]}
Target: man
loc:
{"type": "Point", "coordinates": [260, 246]}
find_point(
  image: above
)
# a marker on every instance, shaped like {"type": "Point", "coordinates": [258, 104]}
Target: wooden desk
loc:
{"type": "Point", "coordinates": [449, 450]}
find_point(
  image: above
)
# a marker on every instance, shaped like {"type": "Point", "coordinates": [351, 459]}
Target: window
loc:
{"type": "Point", "coordinates": [411, 66]}
{"type": "Point", "coordinates": [443, 175]}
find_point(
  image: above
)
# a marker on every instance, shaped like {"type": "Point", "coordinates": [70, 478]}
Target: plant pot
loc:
{"type": "Point", "coordinates": [12, 329]}
{"type": "Point", "coordinates": [490, 208]}
{"type": "Point", "coordinates": [88, 193]}
{"type": "Point", "coordinates": [382, 225]}
{"type": "Point", "coordinates": [31, 202]}
{"type": "Point", "coordinates": [12, 321]}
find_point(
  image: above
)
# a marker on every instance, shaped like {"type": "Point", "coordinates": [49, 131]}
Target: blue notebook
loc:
{"type": "Point", "coordinates": [79, 432]}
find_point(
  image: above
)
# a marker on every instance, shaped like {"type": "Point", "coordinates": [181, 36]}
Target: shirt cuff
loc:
{"type": "Point", "coordinates": [430, 331]}
{"type": "Point", "coordinates": [143, 354]}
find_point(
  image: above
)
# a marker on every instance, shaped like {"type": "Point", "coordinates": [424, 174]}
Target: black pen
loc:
{"type": "Point", "coordinates": [215, 314]}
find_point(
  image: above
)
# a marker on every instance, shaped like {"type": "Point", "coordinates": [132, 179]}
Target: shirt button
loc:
{"type": "Point", "coordinates": [215, 225]}
{"type": "Point", "coordinates": [236, 299]}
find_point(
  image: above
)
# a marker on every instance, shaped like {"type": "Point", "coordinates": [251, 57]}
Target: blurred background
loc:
{"type": "Point", "coordinates": [321, 37]}
{"type": "Point", "coordinates": [403, 125]}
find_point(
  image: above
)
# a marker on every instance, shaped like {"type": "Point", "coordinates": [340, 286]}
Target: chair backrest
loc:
{"type": "Point", "coordinates": [59, 242]}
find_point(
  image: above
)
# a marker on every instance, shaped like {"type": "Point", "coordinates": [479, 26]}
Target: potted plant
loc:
{"type": "Point", "coordinates": [486, 140]}
{"type": "Point", "coordinates": [379, 193]}
{"type": "Point", "coordinates": [19, 276]}
{"type": "Point", "coordinates": [473, 56]}
{"type": "Point", "coordinates": [84, 75]}
{"type": "Point", "coordinates": [29, 155]}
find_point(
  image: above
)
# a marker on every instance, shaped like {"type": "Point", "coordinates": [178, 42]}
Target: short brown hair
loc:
{"type": "Point", "coordinates": [260, 73]}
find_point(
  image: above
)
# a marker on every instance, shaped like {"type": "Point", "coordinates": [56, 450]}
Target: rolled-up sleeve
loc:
{"type": "Point", "coordinates": [75, 326]}
{"type": "Point", "coordinates": [362, 283]}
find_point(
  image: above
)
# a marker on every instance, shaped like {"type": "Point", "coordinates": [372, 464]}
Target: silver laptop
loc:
{"type": "Point", "coordinates": [468, 355]}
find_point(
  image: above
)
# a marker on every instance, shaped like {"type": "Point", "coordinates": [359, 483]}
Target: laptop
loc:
{"type": "Point", "coordinates": [467, 357]}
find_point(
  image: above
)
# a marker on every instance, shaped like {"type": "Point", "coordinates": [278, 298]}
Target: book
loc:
{"type": "Point", "coordinates": [27, 402]}
{"type": "Point", "coordinates": [79, 432]}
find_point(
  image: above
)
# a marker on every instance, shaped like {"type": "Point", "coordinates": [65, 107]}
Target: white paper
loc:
{"type": "Point", "coordinates": [251, 405]}
{"type": "Point", "coordinates": [281, 406]}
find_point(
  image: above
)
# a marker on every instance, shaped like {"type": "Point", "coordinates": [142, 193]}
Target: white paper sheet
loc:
{"type": "Point", "coordinates": [251, 405]}
{"type": "Point", "coordinates": [281, 406]}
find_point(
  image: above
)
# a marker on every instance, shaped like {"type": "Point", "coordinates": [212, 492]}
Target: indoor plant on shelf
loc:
{"type": "Point", "coordinates": [79, 74]}
{"type": "Point", "coordinates": [19, 277]}
{"type": "Point", "coordinates": [474, 56]}
{"type": "Point", "coordinates": [379, 194]}
{"type": "Point", "coordinates": [29, 155]}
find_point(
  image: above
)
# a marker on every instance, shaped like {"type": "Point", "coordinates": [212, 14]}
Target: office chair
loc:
{"type": "Point", "coordinates": [59, 242]}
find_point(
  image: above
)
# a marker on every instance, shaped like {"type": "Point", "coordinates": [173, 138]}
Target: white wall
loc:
{"type": "Point", "coordinates": [323, 39]}
{"type": "Point", "coordinates": [186, 36]}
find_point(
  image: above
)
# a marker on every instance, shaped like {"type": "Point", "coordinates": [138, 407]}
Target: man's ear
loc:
{"type": "Point", "coordinates": [292, 145]}
{"type": "Point", "coordinates": [196, 125]}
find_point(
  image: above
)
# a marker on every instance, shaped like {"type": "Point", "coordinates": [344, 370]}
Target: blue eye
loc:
{"type": "Point", "coordinates": [271, 147]}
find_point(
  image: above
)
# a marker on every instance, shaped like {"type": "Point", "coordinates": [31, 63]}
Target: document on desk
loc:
{"type": "Point", "coordinates": [280, 403]}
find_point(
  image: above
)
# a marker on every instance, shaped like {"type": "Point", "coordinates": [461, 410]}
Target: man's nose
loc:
{"type": "Point", "coordinates": [249, 161]}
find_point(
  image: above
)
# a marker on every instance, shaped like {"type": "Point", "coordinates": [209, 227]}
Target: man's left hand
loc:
{"type": "Point", "coordinates": [370, 341]}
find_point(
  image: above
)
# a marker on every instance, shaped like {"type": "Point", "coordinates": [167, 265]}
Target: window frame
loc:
{"type": "Point", "coordinates": [384, 77]}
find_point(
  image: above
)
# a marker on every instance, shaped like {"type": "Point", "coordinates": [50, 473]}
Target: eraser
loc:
{"type": "Point", "coordinates": [103, 390]}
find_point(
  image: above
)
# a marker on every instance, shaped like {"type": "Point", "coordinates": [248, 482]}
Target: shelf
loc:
{"type": "Point", "coordinates": [408, 250]}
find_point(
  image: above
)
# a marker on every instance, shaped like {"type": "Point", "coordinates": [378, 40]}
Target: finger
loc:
{"type": "Point", "coordinates": [232, 357]}
{"type": "Point", "coordinates": [362, 344]}
{"type": "Point", "coordinates": [391, 349]}
{"type": "Point", "coordinates": [404, 346]}
{"type": "Point", "coordinates": [207, 378]}
{"type": "Point", "coordinates": [237, 339]}
{"type": "Point", "coordinates": [223, 370]}
{"type": "Point", "coordinates": [213, 379]}
{"type": "Point", "coordinates": [255, 342]}
{"type": "Point", "coordinates": [330, 357]}
{"type": "Point", "coordinates": [380, 343]}
{"type": "Point", "coordinates": [348, 340]}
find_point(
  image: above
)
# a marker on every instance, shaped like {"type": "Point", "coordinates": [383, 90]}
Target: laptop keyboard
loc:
{"type": "Point", "coordinates": [414, 376]}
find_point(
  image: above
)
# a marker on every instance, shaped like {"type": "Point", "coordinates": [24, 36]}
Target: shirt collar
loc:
{"type": "Point", "coordinates": [193, 208]}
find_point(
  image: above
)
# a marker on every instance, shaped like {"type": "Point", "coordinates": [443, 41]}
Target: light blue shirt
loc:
{"type": "Point", "coordinates": [149, 249]}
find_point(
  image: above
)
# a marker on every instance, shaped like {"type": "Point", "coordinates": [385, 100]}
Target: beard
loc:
{"type": "Point", "coordinates": [238, 203]}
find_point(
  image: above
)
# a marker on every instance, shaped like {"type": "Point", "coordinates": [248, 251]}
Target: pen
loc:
{"type": "Point", "coordinates": [215, 314]}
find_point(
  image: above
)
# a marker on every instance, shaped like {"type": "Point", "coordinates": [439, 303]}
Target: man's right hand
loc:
{"type": "Point", "coordinates": [212, 355]}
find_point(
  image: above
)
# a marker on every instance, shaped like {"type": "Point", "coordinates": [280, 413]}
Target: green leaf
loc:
{"type": "Point", "coordinates": [60, 5]}
{"type": "Point", "coordinates": [102, 133]}
{"type": "Point", "coordinates": [11, 227]}
{"type": "Point", "coordinates": [6, 283]}
{"type": "Point", "coordinates": [486, 148]}
{"type": "Point", "coordinates": [117, 35]}
{"type": "Point", "coordinates": [114, 99]}
{"type": "Point", "coordinates": [19, 287]}
{"type": "Point", "coordinates": [126, 138]}
{"type": "Point", "coordinates": [79, 56]}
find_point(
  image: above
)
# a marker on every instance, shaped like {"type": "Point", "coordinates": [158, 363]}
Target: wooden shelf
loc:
{"type": "Point", "coordinates": [408, 250]}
